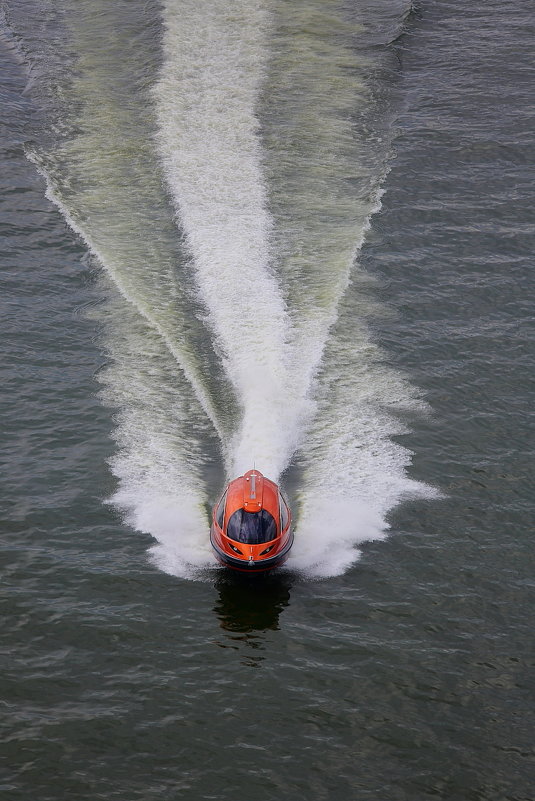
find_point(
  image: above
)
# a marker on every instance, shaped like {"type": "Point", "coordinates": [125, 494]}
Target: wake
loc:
{"type": "Point", "coordinates": [236, 333]}
{"type": "Point", "coordinates": [215, 60]}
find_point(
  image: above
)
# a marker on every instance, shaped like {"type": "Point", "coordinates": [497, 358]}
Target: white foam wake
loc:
{"type": "Point", "coordinates": [354, 472]}
{"type": "Point", "coordinates": [161, 437]}
{"type": "Point", "coordinates": [215, 57]}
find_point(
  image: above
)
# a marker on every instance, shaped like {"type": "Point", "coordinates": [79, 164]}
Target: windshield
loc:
{"type": "Point", "coordinates": [252, 528]}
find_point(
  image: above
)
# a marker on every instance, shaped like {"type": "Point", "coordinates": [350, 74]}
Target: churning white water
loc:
{"type": "Point", "coordinates": [206, 99]}
{"type": "Point", "coordinates": [227, 197]}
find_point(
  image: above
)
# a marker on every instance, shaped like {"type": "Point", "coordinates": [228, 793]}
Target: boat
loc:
{"type": "Point", "coordinates": [251, 525]}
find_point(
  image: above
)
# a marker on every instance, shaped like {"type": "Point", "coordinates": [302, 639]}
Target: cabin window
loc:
{"type": "Point", "coordinates": [284, 512]}
{"type": "Point", "coordinates": [220, 511]}
{"type": "Point", "coordinates": [252, 528]}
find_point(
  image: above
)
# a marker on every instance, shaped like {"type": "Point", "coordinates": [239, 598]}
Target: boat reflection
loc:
{"type": "Point", "coordinates": [248, 604]}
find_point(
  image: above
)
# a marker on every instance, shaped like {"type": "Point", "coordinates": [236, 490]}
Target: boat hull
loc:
{"type": "Point", "coordinates": [252, 566]}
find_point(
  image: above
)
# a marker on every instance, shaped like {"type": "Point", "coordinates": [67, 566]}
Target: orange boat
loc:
{"type": "Point", "coordinates": [251, 525]}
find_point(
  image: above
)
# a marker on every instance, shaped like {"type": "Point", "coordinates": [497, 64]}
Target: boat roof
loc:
{"type": "Point", "coordinates": [252, 492]}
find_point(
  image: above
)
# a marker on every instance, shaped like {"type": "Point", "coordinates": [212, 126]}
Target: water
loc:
{"type": "Point", "coordinates": [297, 234]}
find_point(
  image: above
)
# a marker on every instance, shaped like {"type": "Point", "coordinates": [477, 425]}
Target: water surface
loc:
{"type": "Point", "coordinates": [365, 176]}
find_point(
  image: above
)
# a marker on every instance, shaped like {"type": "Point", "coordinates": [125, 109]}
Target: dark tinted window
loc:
{"type": "Point", "coordinates": [284, 512]}
{"type": "Point", "coordinates": [220, 512]}
{"type": "Point", "coordinates": [252, 527]}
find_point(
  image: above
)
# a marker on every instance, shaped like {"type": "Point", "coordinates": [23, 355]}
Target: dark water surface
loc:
{"type": "Point", "coordinates": [410, 675]}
